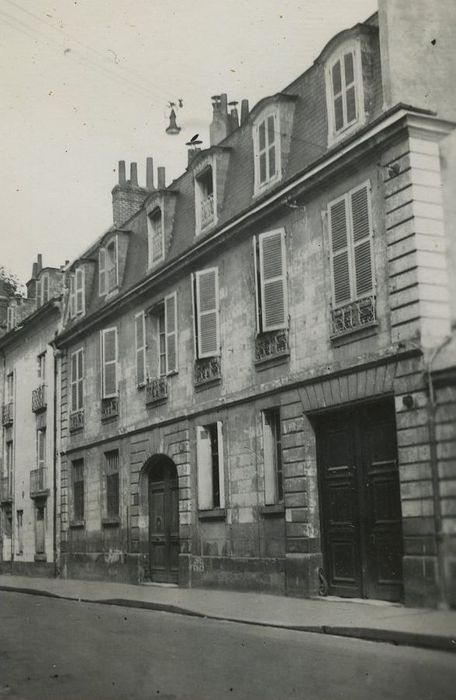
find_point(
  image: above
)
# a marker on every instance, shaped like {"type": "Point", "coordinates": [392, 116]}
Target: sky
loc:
{"type": "Point", "coordinates": [86, 83]}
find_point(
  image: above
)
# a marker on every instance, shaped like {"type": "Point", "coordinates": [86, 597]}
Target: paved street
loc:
{"type": "Point", "coordinates": [57, 649]}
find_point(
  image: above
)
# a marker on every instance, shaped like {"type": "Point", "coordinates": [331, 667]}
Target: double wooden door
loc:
{"type": "Point", "coordinates": [164, 523]}
{"type": "Point", "coordinates": [360, 502]}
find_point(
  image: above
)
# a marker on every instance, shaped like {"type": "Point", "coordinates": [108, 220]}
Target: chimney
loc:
{"type": "Point", "coordinates": [39, 263]}
{"type": "Point", "coordinates": [31, 284]}
{"type": "Point", "coordinates": [221, 122]}
{"type": "Point", "coordinates": [150, 174]}
{"type": "Point", "coordinates": [191, 153]}
{"type": "Point", "coordinates": [161, 178]}
{"type": "Point", "coordinates": [234, 116]}
{"type": "Point", "coordinates": [127, 195]}
{"type": "Point", "coordinates": [244, 112]}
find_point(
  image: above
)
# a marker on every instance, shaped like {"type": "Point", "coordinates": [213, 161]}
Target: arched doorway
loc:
{"type": "Point", "coordinates": [163, 493]}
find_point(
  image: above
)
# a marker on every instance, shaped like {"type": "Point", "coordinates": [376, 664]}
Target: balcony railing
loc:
{"type": "Point", "coordinates": [6, 488]}
{"type": "Point", "coordinates": [207, 370]}
{"type": "Point", "coordinates": [207, 210]}
{"type": "Point", "coordinates": [271, 345]}
{"type": "Point", "coordinates": [7, 413]}
{"type": "Point", "coordinates": [38, 483]}
{"type": "Point", "coordinates": [156, 390]}
{"type": "Point", "coordinates": [39, 398]}
{"type": "Point", "coordinates": [77, 420]}
{"type": "Point", "coordinates": [109, 407]}
{"type": "Point", "coordinates": [354, 315]}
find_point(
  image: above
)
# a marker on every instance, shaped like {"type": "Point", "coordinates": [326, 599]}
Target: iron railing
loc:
{"type": "Point", "coordinates": [77, 419]}
{"type": "Point", "coordinates": [207, 369]}
{"type": "Point", "coordinates": [38, 485]}
{"type": "Point", "coordinates": [39, 399]}
{"type": "Point", "coordinates": [6, 488]}
{"type": "Point", "coordinates": [353, 315]}
{"type": "Point", "coordinates": [7, 413]}
{"type": "Point", "coordinates": [109, 407]}
{"type": "Point", "coordinates": [270, 345]}
{"type": "Point", "coordinates": [156, 390]}
{"type": "Point", "coordinates": [207, 210]}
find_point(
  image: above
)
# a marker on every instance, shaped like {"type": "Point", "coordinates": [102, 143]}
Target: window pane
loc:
{"type": "Point", "coordinates": [351, 104]}
{"type": "Point", "coordinates": [110, 379]}
{"type": "Point", "coordinates": [112, 493]}
{"type": "Point", "coordinates": [272, 162]}
{"type": "Point", "coordinates": [263, 167]}
{"type": "Point", "coordinates": [338, 113]}
{"type": "Point", "coordinates": [336, 78]}
{"type": "Point", "coordinates": [349, 68]}
{"type": "Point", "coordinates": [262, 136]}
{"type": "Point", "coordinates": [271, 132]}
{"type": "Point", "coordinates": [80, 402]}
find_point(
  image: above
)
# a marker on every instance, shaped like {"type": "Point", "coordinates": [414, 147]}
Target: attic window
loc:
{"type": "Point", "coordinates": [344, 90]}
{"type": "Point", "coordinates": [266, 139]}
{"type": "Point", "coordinates": [155, 232]}
{"type": "Point", "coordinates": [205, 200]}
{"type": "Point", "coordinates": [108, 267]}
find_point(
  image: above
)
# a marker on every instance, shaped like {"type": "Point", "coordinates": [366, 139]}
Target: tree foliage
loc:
{"type": "Point", "coordinates": [12, 283]}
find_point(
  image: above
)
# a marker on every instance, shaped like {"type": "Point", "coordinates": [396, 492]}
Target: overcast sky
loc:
{"type": "Point", "coordinates": [86, 83]}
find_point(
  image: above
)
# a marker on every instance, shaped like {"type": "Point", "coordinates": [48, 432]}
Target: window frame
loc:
{"type": "Point", "coordinates": [198, 177]}
{"type": "Point", "coordinates": [352, 46]}
{"type": "Point", "coordinates": [140, 349]}
{"type": "Point", "coordinates": [79, 292]}
{"type": "Point", "coordinates": [260, 282]}
{"type": "Point", "coordinates": [10, 386]}
{"type": "Point", "coordinates": [41, 365]}
{"type": "Point", "coordinates": [205, 466]}
{"type": "Point", "coordinates": [111, 470]}
{"type": "Point", "coordinates": [103, 334]}
{"type": "Point", "coordinates": [196, 294]}
{"type": "Point", "coordinates": [77, 383]}
{"type": "Point", "coordinates": [274, 112]}
{"type": "Point", "coordinates": [150, 231]}
{"type": "Point", "coordinates": [272, 456]}
{"type": "Point", "coordinates": [78, 515]}
{"type": "Point", "coordinates": [41, 448]}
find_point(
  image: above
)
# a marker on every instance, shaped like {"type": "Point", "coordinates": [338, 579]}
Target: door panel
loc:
{"type": "Point", "coordinates": [164, 524]}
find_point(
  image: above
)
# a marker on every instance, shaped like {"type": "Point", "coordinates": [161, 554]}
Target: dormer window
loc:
{"type": "Point", "coordinates": [42, 290]}
{"type": "Point", "coordinates": [156, 235]}
{"type": "Point", "coordinates": [108, 267]}
{"type": "Point", "coordinates": [77, 293]}
{"type": "Point", "coordinates": [267, 150]}
{"type": "Point", "coordinates": [344, 90]}
{"type": "Point", "coordinates": [204, 194]}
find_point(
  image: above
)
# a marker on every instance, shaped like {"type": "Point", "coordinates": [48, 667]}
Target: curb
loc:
{"type": "Point", "coordinates": [396, 637]}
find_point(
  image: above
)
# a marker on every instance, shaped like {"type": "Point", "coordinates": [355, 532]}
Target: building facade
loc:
{"type": "Point", "coordinates": [28, 494]}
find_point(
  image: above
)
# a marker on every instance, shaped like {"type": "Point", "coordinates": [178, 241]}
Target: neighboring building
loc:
{"type": "Point", "coordinates": [28, 485]}
{"type": "Point", "coordinates": [258, 372]}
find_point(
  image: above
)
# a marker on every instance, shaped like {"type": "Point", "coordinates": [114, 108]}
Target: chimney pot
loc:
{"type": "Point", "coordinates": [161, 178]}
{"type": "Point", "coordinates": [244, 111]}
{"type": "Point", "coordinates": [150, 173]}
{"type": "Point", "coordinates": [134, 174]}
{"type": "Point", "coordinates": [122, 177]}
{"type": "Point", "coordinates": [39, 262]}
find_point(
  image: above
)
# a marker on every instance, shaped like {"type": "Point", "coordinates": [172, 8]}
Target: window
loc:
{"type": "Point", "coordinates": [344, 90]}
{"type": "Point", "coordinates": [79, 291]}
{"type": "Point", "coordinates": [204, 198]}
{"type": "Point", "coordinates": [20, 533]}
{"type": "Point", "coordinates": [112, 483]}
{"type": "Point", "coordinates": [156, 239]}
{"type": "Point", "coordinates": [271, 281]}
{"type": "Point", "coordinates": [266, 139]}
{"type": "Point", "coordinates": [78, 489]}
{"type": "Point", "coordinates": [205, 299]}
{"type": "Point", "coordinates": [109, 355]}
{"type": "Point", "coordinates": [10, 386]}
{"type": "Point", "coordinates": [140, 340]}
{"type": "Point", "coordinates": [41, 366]}
{"type": "Point", "coordinates": [41, 448]}
{"type": "Point", "coordinates": [161, 340]}
{"type": "Point", "coordinates": [108, 267]}
{"type": "Point", "coordinates": [77, 380]}
{"type": "Point", "coordinates": [40, 529]}
{"type": "Point", "coordinates": [9, 458]}
{"type": "Point", "coordinates": [209, 455]}
{"type": "Point", "coordinates": [10, 318]}
{"type": "Point", "coordinates": [272, 451]}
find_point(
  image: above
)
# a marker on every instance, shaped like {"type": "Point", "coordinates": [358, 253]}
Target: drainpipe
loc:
{"type": "Point", "coordinates": [443, 597]}
{"type": "Point", "coordinates": [56, 355]}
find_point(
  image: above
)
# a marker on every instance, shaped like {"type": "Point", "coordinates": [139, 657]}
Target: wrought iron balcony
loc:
{"type": "Point", "coordinates": [77, 420]}
{"type": "Point", "coordinates": [207, 370]}
{"type": "Point", "coordinates": [156, 390]}
{"type": "Point", "coordinates": [109, 407]}
{"type": "Point", "coordinates": [271, 345]}
{"type": "Point", "coordinates": [207, 210]}
{"type": "Point", "coordinates": [6, 489]}
{"type": "Point", "coordinates": [7, 413]}
{"type": "Point", "coordinates": [38, 483]}
{"type": "Point", "coordinates": [39, 399]}
{"type": "Point", "coordinates": [353, 316]}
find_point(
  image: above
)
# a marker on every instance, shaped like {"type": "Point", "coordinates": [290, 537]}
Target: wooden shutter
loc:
{"type": "Point", "coordinates": [221, 463]}
{"type": "Point", "coordinates": [140, 339]}
{"type": "Point", "coordinates": [72, 296]}
{"type": "Point", "coordinates": [204, 468]}
{"type": "Point", "coordinates": [74, 378]}
{"type": "Point", "coordinates": [269, 461]}
{"type": "Point", "coordinates": [362, 240]}
{"type": "Point", "coordinates": [79, 291]}
{"type": "Point", "coordinates": [171, 332]}
{"type": "Point", "coordinates": [109, 362]}
{"type": "Point", "coordinates": [340, 251]}
{"type": "Point", "coordinates": [102, 271]}
{"type": "Point", "coordinates": [273, 280]}
{"type": "Point", "coordinates": [80, 374]}
{"type": "Point", "coordinates": [207, 312]}
{"type": "Point", "coordinates": [257, 285]}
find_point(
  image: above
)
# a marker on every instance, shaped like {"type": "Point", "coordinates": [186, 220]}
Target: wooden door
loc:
{"type": "Point", "coordinates": [360, 502]}
{"type": "Point", "coordinates": [164, 523]}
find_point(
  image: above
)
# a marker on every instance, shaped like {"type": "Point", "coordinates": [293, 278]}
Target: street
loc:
{"type": "Point", "coordinates": [62, 650]}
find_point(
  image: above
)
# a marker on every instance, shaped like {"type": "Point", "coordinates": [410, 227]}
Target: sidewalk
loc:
{"type": "Point", "coordinates": [374, 620]}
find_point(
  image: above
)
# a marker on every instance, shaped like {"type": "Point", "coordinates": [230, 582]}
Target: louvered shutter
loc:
{"type": "Point", "coordinates": [207, 312]}
{"type": "Point", "coordinates": [102, 271]}
{"type": "Point", "coordinates": [204, 468]}
{"type": "Point", "coordinates": [257, 286]}
{"type": "Point", "coordinates": [221, 463]}
{"type": "Point", "coordinates": [171, 332]}
{"type": "Point", "coordinates": [362, 240]}
{"type": "Point", "coordinates": [80, 391]}
{"type": "Point", "coordinates": [340, 251]}
{"type": "Point", "coordinates": [140, 348]}
{"type": "Point", "coordinates": [109, 360]}
{"type": "Point", "coordinates": [79, 291]}
{"type": "Point", "coordinates": [72, 297]}
{"type": "Point", "coordinates": [273, 280]}
{"type": "Point", "coordinates": [74, 379]}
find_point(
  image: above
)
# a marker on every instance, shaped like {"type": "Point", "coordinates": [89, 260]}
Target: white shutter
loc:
{"type": "Point", "coordinates": [273, 280]}
{"type": "Point", "coordinates": [340, 251]}
{"type": "Point", "coordinates": [140, 340]}
{"type": "Point", "coordinates": [269, 462]}
{"type": "Point", "coordinates": [204, 468]}
{"type": "Point", "coordinates": [74, 377]}
{"type": "Point", "coordinates": [221, 463]}
{"type": "Point", "coordinates": [80, 391]}
{"type": "Point", "coordinates": [207, 312]}
{"type": "Point", "coordinates": [102, 271]}
{"type": "Point", "coordinates": [257, 282]}
{"type": "Point", "coordinates": [79, 290]}
{"type": "Point", "coordinates": [72, 296]}
{"type": "Point", "coordinates": [362, 240]}
{"type": "Point", "coordinates": [171, 332]}
{"type": "Point", "coordinates": [195, 323]}
{"type": "Point", "coordinates": [109, 362]}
